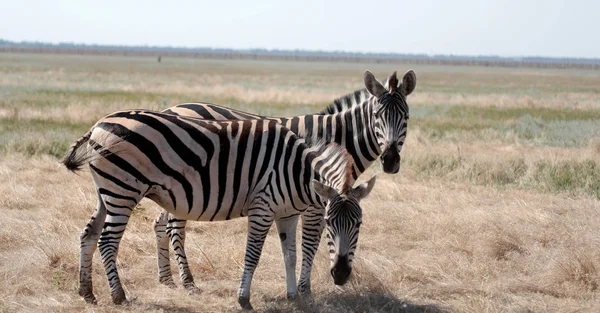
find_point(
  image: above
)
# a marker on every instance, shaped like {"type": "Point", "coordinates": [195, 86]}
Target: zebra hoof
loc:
{"type": "Point", "coordinates": [167, 282]}
{"type": "Point", "coordinates": [90, 298]}
{"type": "Point", "coordinates": [88, 295]}
{"type": "Point", "coordinates": [245, 303]}
{"type": "Point", "coordinates": [292, 295]}
{"type": "Point", "coordinates": [192, 289]}
{"type": "Point", "coordinates": [118, 297]}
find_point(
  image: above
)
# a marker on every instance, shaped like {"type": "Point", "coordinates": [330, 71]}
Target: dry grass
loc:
{"type": "Point", "coordinates": [478, 220]}
{"type": "Point", "coordinates": [426, 245]}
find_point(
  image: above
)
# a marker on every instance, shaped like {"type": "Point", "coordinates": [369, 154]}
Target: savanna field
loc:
{"type": "Point", "coordinates": [495, 208]}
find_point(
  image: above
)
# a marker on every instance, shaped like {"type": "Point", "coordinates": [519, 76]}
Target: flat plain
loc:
{"type": "Point", "coordinates": [495, 208]}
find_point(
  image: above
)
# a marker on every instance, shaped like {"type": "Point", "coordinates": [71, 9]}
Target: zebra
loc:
{"type": "Point", "coordinates": [374, 117]}
{"type": "Point", "coordinates": [213, 171]}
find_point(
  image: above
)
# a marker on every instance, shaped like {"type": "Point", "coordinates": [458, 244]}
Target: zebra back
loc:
{"type": "Point", "coordinates": [162, 150]}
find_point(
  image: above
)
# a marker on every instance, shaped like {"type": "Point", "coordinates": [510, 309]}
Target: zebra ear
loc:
{"type": "Point", "coordinates": [373, 85]}
{"type": "Point", "coordinates": [363, 189]}
{"type": "Point", "coordinates": [409, 82]}
{"type": "Point", "coordinates": [324, 191]}
{"type": "Point", "coordinates": [393, 83]}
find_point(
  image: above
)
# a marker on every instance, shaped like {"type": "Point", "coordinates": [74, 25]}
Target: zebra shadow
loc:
{"type": "Point", "coordinates": [163, 308]}
{"type": "Point", "coordinates": [370, 301]}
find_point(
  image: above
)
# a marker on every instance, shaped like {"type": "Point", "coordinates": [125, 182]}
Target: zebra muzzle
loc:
{"type": "Point", "coordinates": [341, 269]}
{"type": "Point", "coordinates": [390, 160]}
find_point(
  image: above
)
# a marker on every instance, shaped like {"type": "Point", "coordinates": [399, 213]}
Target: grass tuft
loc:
{"type": "Point", "coordinates": [573, 176]}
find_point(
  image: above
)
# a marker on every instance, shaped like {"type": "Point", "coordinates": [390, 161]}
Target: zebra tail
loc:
{"type": "Point", "coordinates": [77, 155]}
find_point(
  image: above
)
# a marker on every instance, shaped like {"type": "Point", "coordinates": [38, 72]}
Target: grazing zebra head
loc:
{"type": "Point", "coordinates": [390, 114]}
{"type": "Point", "coordinates": [343, 217]}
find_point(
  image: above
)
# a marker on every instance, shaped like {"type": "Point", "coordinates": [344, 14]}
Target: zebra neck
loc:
{"type": "Point", "coordinates": [354, 130]}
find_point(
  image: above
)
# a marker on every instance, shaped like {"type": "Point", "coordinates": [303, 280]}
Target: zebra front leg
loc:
{"type": "Point", "coordinates": [287, 235]}
{"type": "Point", "coordinates": [176, 231]}
{"type": "Point", "coordinates": [119, 209]}
{"type": "Point", "coordinates": [162, 250]}
{"type": "Point", "coordinates": [89, 240]}
{"type": "Point", "coordinates": [312, 229]}
{"type": "Point", "coordinates": [259, 223]}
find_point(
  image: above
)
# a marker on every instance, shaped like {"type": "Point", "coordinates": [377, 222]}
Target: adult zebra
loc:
{"type": "Point", "coordinates": [369, 123]}
{"type": "Point", "coordinates": [214, 171]}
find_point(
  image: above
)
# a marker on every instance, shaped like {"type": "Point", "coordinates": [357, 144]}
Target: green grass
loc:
{"type": "Point", "coordinates": [48, 98]}
{"type": "Point", "coordinates": [565, 176]}
{"type": "Point", "coordinates": [505, 114]}
{"type": "Point", "coordinates": [38, 137]}
{"type": "Point", "coordinates": [540, 126]}
{"type": "Point", "coordinates": [561, 133]}
{"type": "Point", "coordinates": [570, 176]}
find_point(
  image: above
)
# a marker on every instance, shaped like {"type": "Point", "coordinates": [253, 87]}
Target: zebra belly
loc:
{"type": "Point", "coordinates": [214, 210]}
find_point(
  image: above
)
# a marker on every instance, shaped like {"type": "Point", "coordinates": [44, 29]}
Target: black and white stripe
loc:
{"type": "Point", "coordinates": [369, 123]}
{"type": "Point", "coordinates": [212, 171]}
{"type": "Point", "coordinates": [353, 99]}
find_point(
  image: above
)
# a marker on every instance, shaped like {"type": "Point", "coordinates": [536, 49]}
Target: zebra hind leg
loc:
{"type": "Point", "coordinates": [176, 231]}
{"type": "Point", "coordinates": [259, 223]}
{"type": "Point", "coordinates": [89, 240]}
{"type": "Point", "coordinates": [119, 208]}
{"type": "Point", "coordinates": [162, 250]}
{"type": "Point", "coordinates": [312, 229]}
{"type": "Point", "coordinates": [287, 236]}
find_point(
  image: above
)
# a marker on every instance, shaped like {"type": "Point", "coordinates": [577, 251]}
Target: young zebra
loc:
{"type": "Point", "coordinates": [214, 171]}
{"type": "Point", "coordinates": [373, 123]}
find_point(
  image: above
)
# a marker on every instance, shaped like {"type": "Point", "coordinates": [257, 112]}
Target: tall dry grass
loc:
{"type": "Point", "coordinates": [487, 214]}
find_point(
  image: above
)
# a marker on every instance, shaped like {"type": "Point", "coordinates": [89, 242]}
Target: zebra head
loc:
{"type": "Point", "coordinates": [343, 216]}
{"type": "Point", "coordinates": [390, 115]}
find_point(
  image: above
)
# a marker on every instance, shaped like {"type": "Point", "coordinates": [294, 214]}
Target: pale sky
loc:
{"type": "Point", "coordinates": [464, 27]}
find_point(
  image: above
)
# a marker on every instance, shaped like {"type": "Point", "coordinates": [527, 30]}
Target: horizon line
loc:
{"type": "Point", "coordinates": [5, 42]}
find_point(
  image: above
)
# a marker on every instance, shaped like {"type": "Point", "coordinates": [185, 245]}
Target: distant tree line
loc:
{"type": "Point", "coordinates": [296, 55]}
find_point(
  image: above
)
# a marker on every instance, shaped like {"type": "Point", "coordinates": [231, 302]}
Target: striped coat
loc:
{"type": "Point", "coordinates": [212, 171]}
{"type": "Point", "coordinates": [369, 123]}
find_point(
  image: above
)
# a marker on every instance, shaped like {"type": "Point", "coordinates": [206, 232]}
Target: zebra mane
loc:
{"type": "Point", "coordinates": [341, 175]}
{"type": "Point", "coordinates": [350, 100]}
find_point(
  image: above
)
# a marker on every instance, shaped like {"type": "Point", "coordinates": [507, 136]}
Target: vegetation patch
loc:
{"type": "Point", "coordinates": [555, 177]}
{"type": "Point", "coordinates": [538, 126]}
{"type": "Point", "coordinates": [570, 176]}
{"type": "Point", "coordinates": [38, 137]}
{"type": "Point", "coordinates": [37, 98]}
{"type": "Point", "coordinates": [510, 172]}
